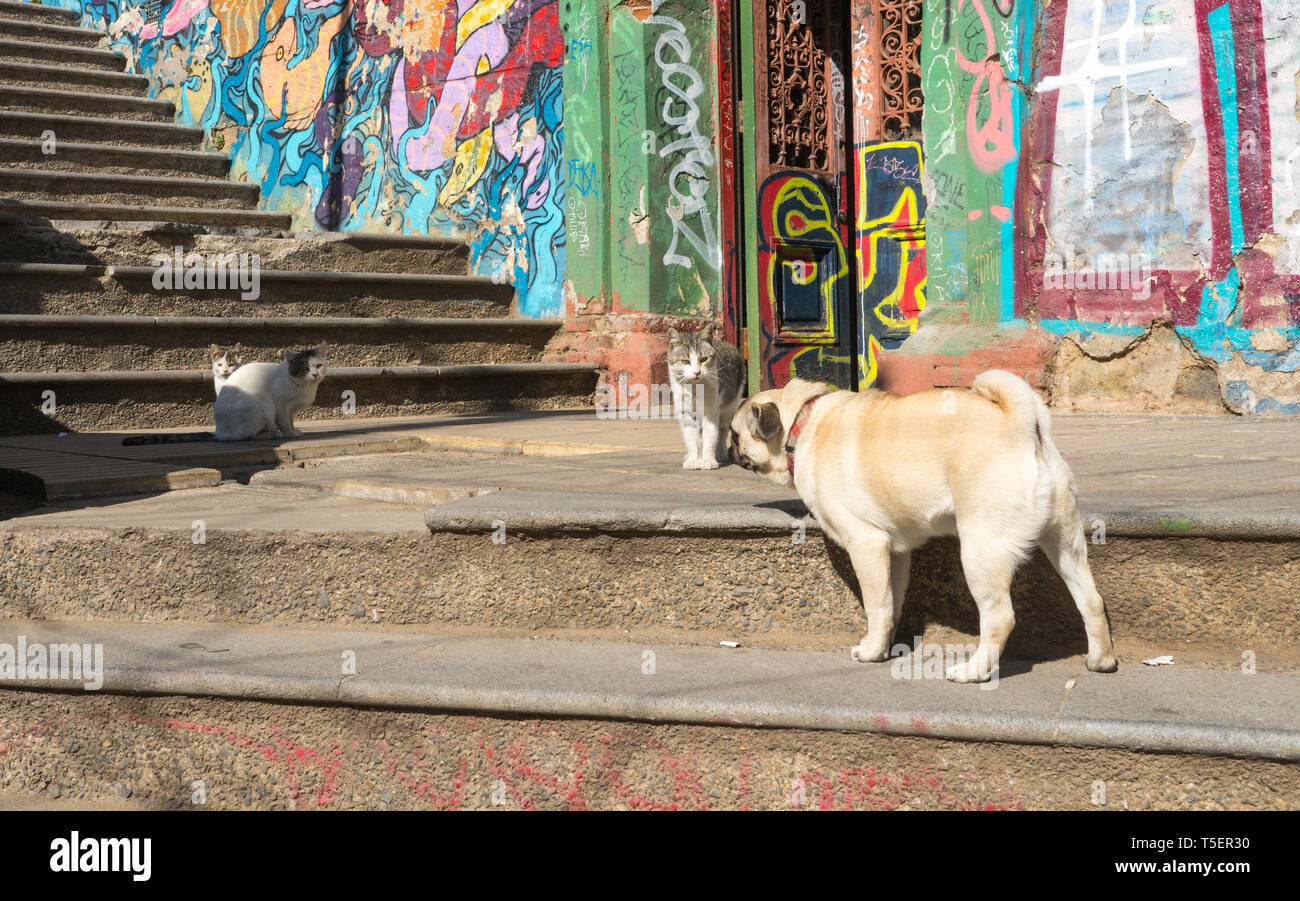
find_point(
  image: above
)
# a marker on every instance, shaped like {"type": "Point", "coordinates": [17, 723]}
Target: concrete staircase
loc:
{"type": "Point", "coordinates": [396, 617]}
{"type": "Point", "coordinates": [97, 183]}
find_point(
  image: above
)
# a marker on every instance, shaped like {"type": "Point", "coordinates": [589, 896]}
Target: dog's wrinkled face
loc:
{"type": "Point", "coordinates": [757, 439]}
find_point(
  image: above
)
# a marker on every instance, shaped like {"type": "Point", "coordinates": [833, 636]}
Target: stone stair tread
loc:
{"type": "Point", "coordinates": [342, 372]}
{"type": "Point", "coordinates": [67, 209]}
{"type": "Point", "coordinates": [162, 153]}
{"type": "Point", "coordinates": [76, 30]}
{"type": "Point", "coordinates": [64, 475]}
{"type": "Point", "coordinates": [43, 71]}
{"type": "Point", "coordinates": [227, 322]}
{"type": "Point", "coordinates": [8, 43]}
{"type": "Point", "coordinates": [13, 8]}
{"type": "Point", "coordinates": [188, 132]}
{"type": "Point", "coordinates": [114, 179]}
{"type": "Point", "coordinates": [163, 107]}
{"type": "Point", "coordinates": [1057, 702]}
{"type": "Point", "coordinates": [110, 271]}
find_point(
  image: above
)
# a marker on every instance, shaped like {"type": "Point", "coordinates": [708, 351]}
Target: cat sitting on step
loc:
{"type": "Point", "coordinates": [708, 378]}
{"type": "Point", "coordinates": [225, 360]}
{"type": "Point", "coordinates": [259, 400]}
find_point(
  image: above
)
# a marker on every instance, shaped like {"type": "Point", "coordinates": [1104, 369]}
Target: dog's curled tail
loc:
{"type": "Point", "coordinates": [167, 438]}
{"type": "Point", "coordinates": [1019, 401]}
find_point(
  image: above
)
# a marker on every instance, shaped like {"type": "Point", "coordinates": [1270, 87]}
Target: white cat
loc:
{"type": "Point", "coordinates": [224, 363]}
{"type": "Point", "coordinates": [261, 399]}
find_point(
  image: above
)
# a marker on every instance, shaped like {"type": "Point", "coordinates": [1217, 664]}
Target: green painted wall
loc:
{"type": "Point", "coordinates": [974, 63]}
{"type": "Point", "coordinates": [642, 195]}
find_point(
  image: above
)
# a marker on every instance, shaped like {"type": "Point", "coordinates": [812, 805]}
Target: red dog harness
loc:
{"type": "Point", "coordinates": [793, 438]}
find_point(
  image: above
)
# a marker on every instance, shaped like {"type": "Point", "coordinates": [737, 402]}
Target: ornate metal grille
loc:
{"type": "Point", "coordinates": [900, 69]}
{"type": "Point", "coordinates": [801, 38]}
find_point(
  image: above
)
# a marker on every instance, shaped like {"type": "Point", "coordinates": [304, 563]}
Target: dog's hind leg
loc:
{"type": "Point", "coordinates": [871, 564]}
{"type": "Point", "coordinates": [1065, 546]}
{"type": "Point", "coordinates": [989, 564]}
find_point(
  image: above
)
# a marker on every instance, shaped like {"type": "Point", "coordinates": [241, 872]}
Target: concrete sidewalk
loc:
{"type": "Point", "coordinates": [1167, 709]}
{"type": "Point", "coordinates": [1143, 475]}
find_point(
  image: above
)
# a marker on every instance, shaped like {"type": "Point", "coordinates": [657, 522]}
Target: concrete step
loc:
{"type": "Point", "coordinates": [138, 244]}
{"type": "Point", "coordinates": [168, 398]}
{"type": "Point", "coordinates": [206, 707]}
{"type": "Point", "coordinates": [78, 102]}
{"type": "Point", "coordinates": [112, 158]}
{"type": "Point", "coordinates": [99, 130]}
{"type": "Point", "coordinates": [70, 289]}
{"type": "Point", "coordinates": [64, 77]}
{"type": "Point", "coordinates": [22, 49]}
{"type": "Point", "coordinates": [34, 12]}
{"type": "Point", "coordinates": [532, 541]}
{"type": "Point", "coordinates": [45, 211]}
{"type": "Point", "coordinates": [27, 29]}
{"type": "Point", "coordinates": [47, 343]}
{"type": "Point", "coordinates": [1058, 703]}
{"type": "Point", "coordinates": [146, 191]}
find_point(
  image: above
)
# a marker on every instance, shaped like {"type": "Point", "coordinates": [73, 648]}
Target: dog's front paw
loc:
{"type": "Point", "coordinates": [965, 672]}
{"type": "Point", "coordinates": [864, 653]}
{"type": "Point", "coordinates": [1104, 665]}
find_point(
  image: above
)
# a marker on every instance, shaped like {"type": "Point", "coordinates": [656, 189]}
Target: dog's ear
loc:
{"type": "Point", "coordinates": [764, 421]}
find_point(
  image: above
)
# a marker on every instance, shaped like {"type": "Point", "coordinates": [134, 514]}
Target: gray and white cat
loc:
{"type": "Point", "coordinates": [708, 378]}
{"type": "Point", "coordinates": [261, 399]}
{"type": "Point", "coordinates": [225, 360]}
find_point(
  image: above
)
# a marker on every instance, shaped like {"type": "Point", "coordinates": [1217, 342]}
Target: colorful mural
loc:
{"type": "Point", "coordinates": [439, 117]}
{"type": "Point", "coordinates": [646, 204]}
{"type": "Point", "coordinates": [1091, 167]}
{"type": "Point", "coordinates": [974, 59]}
{"type": "Point", "coordinates": [1173, 131]}
{"type": "Point", "coordinates": [890, 239]}
{"type": "Point", "coordinates": [805, 282]}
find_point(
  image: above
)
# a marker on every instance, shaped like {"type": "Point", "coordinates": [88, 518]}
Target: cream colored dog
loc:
{"type": "Point", "coordinates": [883, 474]}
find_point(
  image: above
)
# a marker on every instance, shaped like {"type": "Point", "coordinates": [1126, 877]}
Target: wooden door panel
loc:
{"type": "Point", "coordinates": [805, 280]}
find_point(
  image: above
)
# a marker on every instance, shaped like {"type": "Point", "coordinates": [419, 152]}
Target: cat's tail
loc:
{"type": "Point", "coordinates": [168, 438]}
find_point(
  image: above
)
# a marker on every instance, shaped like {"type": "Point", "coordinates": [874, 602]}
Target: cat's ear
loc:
{"type": "Point", "coordinates": [706, 333]}
{"type": "Point", "coordinates": [286, 353]}
{"type": "Point", "coordinates": [319, 349]}
{"type": "Point", "coordinates": [673, 335]}
{"type": "Point", "coordinates": [764, 421]}
{"type": "Point", "coordinates": [216, 352]}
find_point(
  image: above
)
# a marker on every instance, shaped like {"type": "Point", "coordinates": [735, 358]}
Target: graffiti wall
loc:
{"type": "Point", "coordinates": [645, 199]}
{"type": "Point", "coordinates": [891, 246]}
{"type": "Point", "coordinates": [1173, 131]}
{"type": "Point", "coordinates": [975, 59]}
{"type": "Point", "coordinates": [438, 117]}
{"type": "Point", "coordinates": [648, 193]}
{"type": "Point", "coordinates": [1101, 170]}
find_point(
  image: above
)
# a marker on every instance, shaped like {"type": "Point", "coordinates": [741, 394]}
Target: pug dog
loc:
{"type": "Point", "coordinates": [884, 473]}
